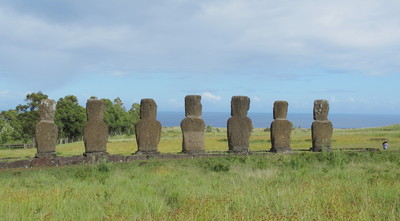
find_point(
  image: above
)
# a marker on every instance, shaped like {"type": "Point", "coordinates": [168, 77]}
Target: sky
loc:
{"type": "Point", "coordinates": [347, 52]}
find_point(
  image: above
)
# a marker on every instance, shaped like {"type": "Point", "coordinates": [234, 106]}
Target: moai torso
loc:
{"type": "Point", "coordinates": [148, 129]}
{"type": "Point", "coordinates": [239, 125]}
{"type": "Point", "coordinates": [321, 128]}
{"type": "Point", "coordinates": [193, 126]}
{"type": "Point", "coordinates": [95, 131]}
{"type": "Point", "coordinates": [46, 131]}
{"type": "Point", "coordinates": [281, 128]}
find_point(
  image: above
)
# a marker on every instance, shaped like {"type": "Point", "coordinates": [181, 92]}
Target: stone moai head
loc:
{"type": "Point", "coordinates": [280, 109]}
{"type": "Point", "coordinates": [95, 110]}
{"type": "Point", "coordinates": [148, 109]}
{"type": "Point", "coordinates": [240, 105]}
{"type": "Point", "coordinates": [47, 109]}
{"type": "Point", "coordinates": [321, 109]}
{"type": "Point", "coordinates": [193, 107]}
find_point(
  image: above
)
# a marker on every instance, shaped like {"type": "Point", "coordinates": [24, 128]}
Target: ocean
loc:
{"type": "Point", "coordinates": [263, 120]}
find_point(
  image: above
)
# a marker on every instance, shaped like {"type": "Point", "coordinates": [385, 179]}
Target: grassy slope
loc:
{"type": "Point", "coordinates": [171, 141]}
{"type": "Point", "coordinates": [307, 186]}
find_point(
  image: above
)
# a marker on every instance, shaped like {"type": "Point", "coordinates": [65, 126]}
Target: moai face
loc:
{"type": "Point", "coordinates": [321, 109]}
{"type": "Point", "coordinates": [47, 109]}
{"type": "Point", "coordinates": [280, 109]}
{"type": "Point", "coordinates": [95, 110]}
{"type": "Point", "coordinates": [148, 109]}
{"type": "Point", "coordinates": [240, 105]}
{"type": "Point", "coordinates": [193, 107]}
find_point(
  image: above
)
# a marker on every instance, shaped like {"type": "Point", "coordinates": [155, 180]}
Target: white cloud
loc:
{"type": "Point", "coordinates": [351, 100]}
{"type": "Point", "coordinates": [334, 100]}
{"type": "Point", "coordinates": [210, 97]}
{"type": "Point", "coordinates": [5, 93]}
{"type": "Point", "coordinates": [118, 73]}
{"type": "Point", "coordinates": [54, 46]}
{"type": "Point", "coordinates": [207, 36]}
{"type": "Point", "coordinates": [256, 99]}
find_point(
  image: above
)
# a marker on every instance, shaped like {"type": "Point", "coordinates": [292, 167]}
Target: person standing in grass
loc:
{"type": "Point", "coordinates": [385, 145]}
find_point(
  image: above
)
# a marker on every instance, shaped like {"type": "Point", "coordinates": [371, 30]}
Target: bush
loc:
{"type": "Point", "coordinates": [216, 165]}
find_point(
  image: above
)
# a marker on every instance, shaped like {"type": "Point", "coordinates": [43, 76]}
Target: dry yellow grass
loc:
{"type": "Point", "coordinates": [171, 141]}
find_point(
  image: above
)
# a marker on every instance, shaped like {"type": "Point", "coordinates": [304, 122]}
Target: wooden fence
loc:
{"type": "Point", "coordinates": [16, 146]}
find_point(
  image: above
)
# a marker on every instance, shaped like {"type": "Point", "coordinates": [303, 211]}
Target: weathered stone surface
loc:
{"type": "Point", "coordinates": [136, 157]}
{"type": "Point", "coordinates": [281, 128]}
{"type": "Point", "coordinates": [321, 135]}
{"type": "Point", "coordinates": [182, 156]}
{"type": "Point", "coordinates": [321, 128]}
{"type": "Point", "coordinates": [193, 107]}
{"type": "Point", "coordinates": [193, 126]}
{"type": "Point", "coordinates": [280, 135]}
{"type": "Point", "coordinates": [20, 164]}
{"type": "Point", "coordinates": [148, 109]}
{"type": "Point", "coordinates": [239, 125]}
{"type": "Point", "coordinates": [280, 109]}
{"type": "Point", "coordinates": [148, 129]}
{"type": "Point", "coordinates": [168, 156]}
{"type": "Point", "coordinates": [4, 164]}
{"type": "Point", "coordinates": [44, 162]}
{"type": "Point", "coordinates": [117, 158]}
{"type": "Point", "coordinates": [46, 131]}
{"type": "Point", "coordinates": [321, 109]}
{"type": "Point", "coordinates": [201, 155]}
{"type": "Point", "coordinates": [240, 105]}
{"type": "Point", "coordinates": [95, 156]}
{"type": "Point", "coordinates": [95, 131]}
{"type": "Point", "coordinates": [74, 160]}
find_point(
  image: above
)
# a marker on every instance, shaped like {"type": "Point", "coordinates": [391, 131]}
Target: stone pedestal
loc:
{"type": "Point", "coordinates": [239, 125]}
{"type": "Point", "coordinates": [95, 131]}
{"type": "Point", "coordinates": [321, 128]}
{"type": "Point", "coordinates": [148, 129]}
{"type": "Point", "coordinates": [281, 128]}
{"type": "Point", "coordinates": [46, 131]}
{"type": "Point", "coordinates": [193, 126]}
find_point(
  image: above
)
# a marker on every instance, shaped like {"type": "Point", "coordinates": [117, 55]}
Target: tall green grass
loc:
{"type": "Point", "coordinates": [306, 186]}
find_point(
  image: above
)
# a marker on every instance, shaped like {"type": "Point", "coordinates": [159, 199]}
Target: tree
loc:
{"type": "Point", "coordinates": [11, 119]}
{"type": "Point", "coordinates": [118, 119]}
{"type": "Point", "coordinates": [29, 115]}
{"type": "Point", "coordinates": [135, 112]}
{"type": "Point", "coordinates": [70, 117]}
{"type": "Point", "coordinates": [6, 132]}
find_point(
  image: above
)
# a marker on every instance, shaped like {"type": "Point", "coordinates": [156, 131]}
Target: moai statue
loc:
{"type": "Point", "coordinates": [239, 125]}
{"type": "Point", "coordinates": [281, 128]}
{"type": "Point", "coordinates": [46, 131]}
{"type": "Point", "coordinates": [95, 131]}
{"type": "Point", "coordinates": [193, 126]}
{"type": "Point", "coordinates": [321, 128]}
{"type": "Point", "coordinates": [148, 129]}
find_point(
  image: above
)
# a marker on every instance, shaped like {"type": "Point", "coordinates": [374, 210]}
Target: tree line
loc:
{"type": "Point", "coordinates": [18, 125]}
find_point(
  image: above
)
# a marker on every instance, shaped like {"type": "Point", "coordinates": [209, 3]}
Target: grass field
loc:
{"type": "Point", "coordinates": [171, 141]}
{"type": "Point", "coordinates": [304, 186]}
